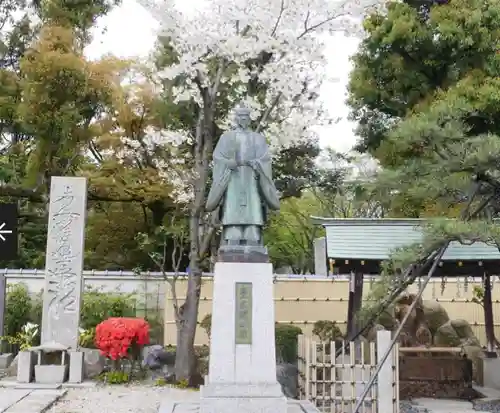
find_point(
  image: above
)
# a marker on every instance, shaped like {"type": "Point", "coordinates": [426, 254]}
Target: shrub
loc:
{"type": "Point", "coordinates": [286, 342]}
{"type": "Point", "coordinates": [121, 337]}
{"type": "Point", "coordinates": [327, 331]}
{"type": "Point", "coordinates": [285, 337]}
{"type": "Point", "coordinates": [98, 306]}
{"type": "Point", "coordinates": [206, 324]}
{"type": "Point", "coordinates": [156, 327]}
{"type": "Point", "coordinates": [18, 305]}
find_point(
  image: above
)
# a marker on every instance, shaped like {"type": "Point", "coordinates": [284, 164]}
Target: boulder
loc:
{"type": "Point", "coordinates": [287, 375]}
{"type": "Point", "coordinates": [155, 357]}
{"type": "Point", "coordinates": [446, 336]}
{"type": "Point", "coordinates": [12, 369]}
{"type": "Point", "coordinates": [160, 361]}
{"type": "Point", "coordinates": [435, 315]}
{"type": "Point", "coordinates": [474, 353]}
{"type": "Point", "coordinates": [423, 336]}
{"type": "Point", "coordinates": [93, 362]}
{"type": "Point", "coordinates": [372, 333]}
{"type": "Point", "coordinates": [464, 331]}
{"type": "Point", "coordinates": [388, 319]}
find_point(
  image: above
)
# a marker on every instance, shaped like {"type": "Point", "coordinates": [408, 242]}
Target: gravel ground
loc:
{"type": "Point", "coordinates": [409, 407]}
{"type": "Point", "coordinates": [487, 405]}
{"type": "Point", "coordinates": [119, 399]}
{"type": "Point", "coordinates": [142, 399]}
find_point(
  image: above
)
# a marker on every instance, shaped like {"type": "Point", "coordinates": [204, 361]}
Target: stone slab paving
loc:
{"type": "Point", "coordinates": [446, 406]}
{"type": "Point", "coordinates": [9, 397]}
{"type": "Point", "coordinates": [28, 400]}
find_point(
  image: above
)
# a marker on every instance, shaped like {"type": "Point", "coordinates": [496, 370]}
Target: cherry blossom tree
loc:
{"type": "Point", "coordinates": [268, 53]}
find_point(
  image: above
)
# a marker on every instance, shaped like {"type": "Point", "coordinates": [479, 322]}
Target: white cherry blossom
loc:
{"type": "Point", "coordinates": [291, 32]}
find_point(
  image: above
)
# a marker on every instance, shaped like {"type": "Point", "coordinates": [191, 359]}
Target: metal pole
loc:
{"type": "Point", "coordinates": [401, 326]}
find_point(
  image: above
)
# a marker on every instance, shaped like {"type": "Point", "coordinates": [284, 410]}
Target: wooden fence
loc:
{"type": "Point", "coordinates": [303, 300]}
{"type": "Point", "coordinates": [335, 383]}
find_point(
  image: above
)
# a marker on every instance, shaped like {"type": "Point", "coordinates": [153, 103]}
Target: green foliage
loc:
{"type": "Point", "coordinates": [206, 324]}
{"type": "Point", "coordinates": [405, 61]}
{"type": "Point", "coordinates": [478, 295]}
{"type": "Point", "coordinates": [161, 382]}
{"type": "Point", "coordinates": [18, 307]}
{"type": "Point", "coordinates": [286, 342]}
{"type": "Point", "coordinates": [114, 377]}
{"type": "Point", "coordinates": [290, 233]}
{"type": "Point", "coordinates": [182, 384]}
{"type": "Point", "coordinates": [98, 306]}
{"type": "Point", "coordinates": [156, 326]}
{"type": "Point", "coordinates": [25, 338]}
{"type": "Point", "coordinates": [285, 337]}
{"type": "Point", "coordinates": [327, 331]}
{"type": "Point", "coordinates": [86, 338]}
{"type": "Point", "coordinates": [426, 93]}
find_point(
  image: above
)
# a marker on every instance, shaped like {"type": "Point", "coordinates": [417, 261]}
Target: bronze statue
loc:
{"type": "Point", "coordinates": [242, 185]}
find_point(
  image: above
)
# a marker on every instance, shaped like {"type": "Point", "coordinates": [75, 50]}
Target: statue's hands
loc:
{"type": "Point", "coordinates": [251, 164]}
{"type": "Point", "coordinates": [232, 164]}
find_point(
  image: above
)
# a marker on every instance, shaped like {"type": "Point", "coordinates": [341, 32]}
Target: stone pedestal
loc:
{"type": "Point", "coordinates": [5, 360]}
{"type": "Point", "coordinates": [26, 361]}
{"type": "Point", "coordinates": [491, 372]}
{"type": "Point", "coordinates": [242, 369]}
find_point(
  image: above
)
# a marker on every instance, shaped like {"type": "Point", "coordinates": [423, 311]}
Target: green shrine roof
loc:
{"type": "Point", "coordinates": [373, 239]}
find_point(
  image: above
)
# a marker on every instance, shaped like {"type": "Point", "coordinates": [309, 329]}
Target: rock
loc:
{"type": "Point", "coordinates": [446, 336]}
{"type": "Point", "coordinates": [423, 335]}
{"type": "Point", "coordinates": [156, 357]}
{"type": "Point", "coordinates": [435, 315]}
{"type": "Point", "coordinates": [12, 370]}
{"type": "Point", "coordinates": [93, 362]}
{"type": "Point", "coordinates": [464, 331]}
{"type": "Point", "coordinates": [160, 361]}
{"type": "Point", "coordinates": [474, 353]}
{"type": "Point", "coordinates": [287, 375]}
{"type": "Point", "coordinates": [387, 319]}
{"type": "Point", "coordinates": [372, 333]}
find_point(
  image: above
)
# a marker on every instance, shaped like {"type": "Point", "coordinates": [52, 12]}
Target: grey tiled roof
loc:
{"type": "Point", "coordinates": [373, 239]}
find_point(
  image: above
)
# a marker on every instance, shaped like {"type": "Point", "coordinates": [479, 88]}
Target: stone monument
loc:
{"type": "Point", "coordinates": [63, 286]}
{"type": "Point", "coordinates": [242, 365]}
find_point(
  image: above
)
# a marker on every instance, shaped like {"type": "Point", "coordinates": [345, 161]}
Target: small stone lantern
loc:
{"type": "Point", "coordinates": [52, 364]}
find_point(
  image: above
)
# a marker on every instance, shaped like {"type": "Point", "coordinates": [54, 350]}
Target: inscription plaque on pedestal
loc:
{"type": "Point", "coordinates": [64, 261]}
{"type": "Point", "coordinates": [243, 316]}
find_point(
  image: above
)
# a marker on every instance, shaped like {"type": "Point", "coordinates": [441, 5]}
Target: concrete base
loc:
{"type": "Point", "coordinates": [292, 406]}
{"type": "Point", "coordinates": [12, 384]}
{"type": "Point", "coordinates": [5, 360]}
{"type": "Point", "coordinates": [25, 366]}
{"type": "Point", "coordinates": [242, 367]}
{"type": "Point", "coordinates": [51, 374]}
{"type": "Point", "coordinates": [244, 397]}
{"type": "Point", "coordinates": [491, 373]}
{"type": "Point", "coordinates": [75, 367]}
{"type": "Point", "coordinates": [255, 361]}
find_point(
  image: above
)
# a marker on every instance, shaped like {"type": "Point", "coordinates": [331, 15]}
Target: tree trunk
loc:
{"type": "Point", "coordinates": [489, 325]}
{"type": "Point", "coordinates": [354, 303]}
{"type": "Point", "coordinates": [185, 358]}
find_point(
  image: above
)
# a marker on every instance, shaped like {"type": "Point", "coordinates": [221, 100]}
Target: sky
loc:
{"type": "Point", "coordinates": [130, 31]}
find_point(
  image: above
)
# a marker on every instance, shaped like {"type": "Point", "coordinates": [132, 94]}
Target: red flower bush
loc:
{"type": "Point", "coordinates": [116, 337]}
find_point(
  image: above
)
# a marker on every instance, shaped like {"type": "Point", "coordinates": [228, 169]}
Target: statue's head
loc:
{"type": "Point", "coordinates": [242, 116]}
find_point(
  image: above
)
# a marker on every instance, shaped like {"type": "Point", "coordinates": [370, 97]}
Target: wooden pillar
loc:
{"type": "Point", "coordinates": [489, 324]}
{"type": "Point", "coordinates": [354, 303]}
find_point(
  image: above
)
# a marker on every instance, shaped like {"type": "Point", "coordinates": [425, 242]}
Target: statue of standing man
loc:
{"type": "Point", "coordinates": [242, 185]}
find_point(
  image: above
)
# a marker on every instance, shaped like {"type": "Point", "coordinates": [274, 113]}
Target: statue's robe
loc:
{"type": "Point", "coordinates": [245, 192]}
